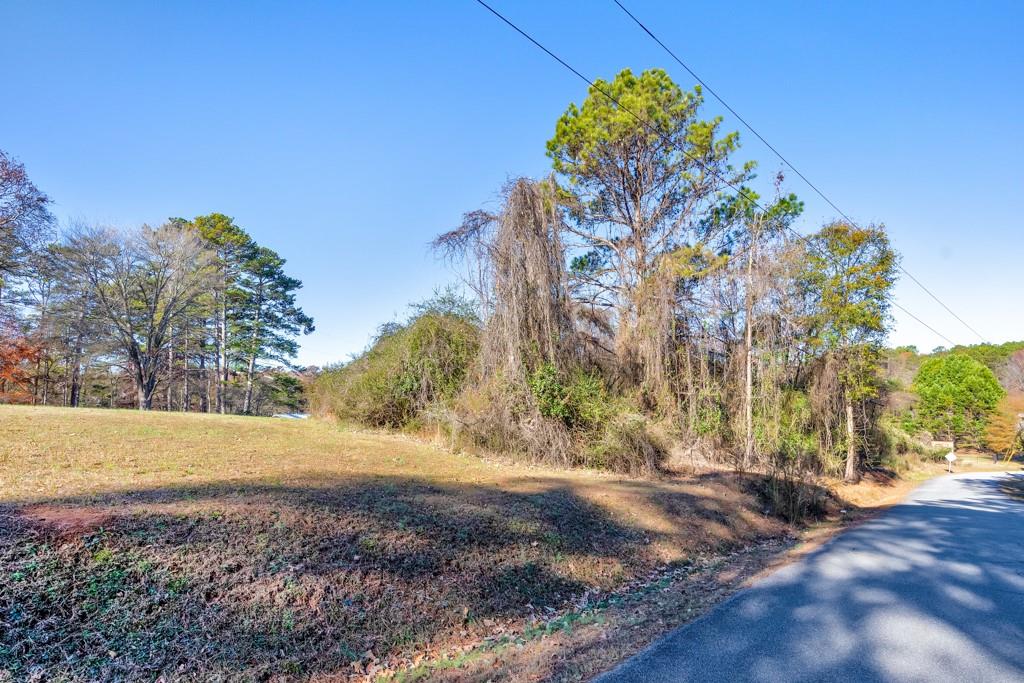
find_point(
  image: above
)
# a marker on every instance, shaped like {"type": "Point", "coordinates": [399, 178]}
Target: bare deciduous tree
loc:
{"type": "Point", "coordinates": [142, 281]}
{"type": "Point", "coordinates": [24, 217]}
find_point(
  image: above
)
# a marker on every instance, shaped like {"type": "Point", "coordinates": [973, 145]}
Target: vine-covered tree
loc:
{"type": "Point", "coordinates": [642, 169]}
{"type": "Point", "coordinates": [849, 276]}
{"type": "Point", "coordinates": [757, 230]}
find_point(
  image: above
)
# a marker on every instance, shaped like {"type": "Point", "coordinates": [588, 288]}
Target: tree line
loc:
{"type": "Point", "coordinates": [970, 395]}
{"type": "Point", "coordinates": [192, 315]}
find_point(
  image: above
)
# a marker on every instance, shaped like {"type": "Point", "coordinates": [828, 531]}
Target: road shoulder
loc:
{"type": "Point", "coordinates": [603, 631]}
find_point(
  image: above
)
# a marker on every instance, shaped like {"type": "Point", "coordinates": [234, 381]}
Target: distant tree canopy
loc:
{"type": "Point", "coordinates": [25, 219]}
{"type": "Point", "coordinates": [957, 396]}
{"type": "Point", "coordinates": [189, 315]}
{"type": "Point", "coordinates": [992, 355]}
{"type": "Point", "coordinates": [142, 283]}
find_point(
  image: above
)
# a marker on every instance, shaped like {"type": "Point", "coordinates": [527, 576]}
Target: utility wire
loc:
{"type": "Point", "coordinates": [942, 336]}
{"type": "Point", "coordinates": [738, 189]}
{"type": "Point", "coordinates": [785, 160]}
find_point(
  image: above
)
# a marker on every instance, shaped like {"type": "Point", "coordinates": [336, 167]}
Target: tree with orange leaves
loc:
{"type": "Point", "coordinates": [17, 358]}
{"type": "Point", "coordinates": [1005, 433]}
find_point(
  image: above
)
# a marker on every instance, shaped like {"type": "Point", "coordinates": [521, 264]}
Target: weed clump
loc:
{"type": "Point", "coordinates": [626, 444]}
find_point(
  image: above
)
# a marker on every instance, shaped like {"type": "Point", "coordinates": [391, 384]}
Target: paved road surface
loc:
{"type": "Point", "coordinates": [933, 590]}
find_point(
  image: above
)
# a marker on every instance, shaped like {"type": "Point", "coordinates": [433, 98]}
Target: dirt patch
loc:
{"type": "Point", "coordinates": [323, 578]}
{"type": "Point", "coordinates": [876, 491]}
{"type": "Point", "coordinates": [64, 522]}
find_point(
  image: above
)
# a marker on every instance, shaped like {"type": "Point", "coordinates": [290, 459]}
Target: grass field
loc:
{"type": "Point", "coordinates": [200, 547]}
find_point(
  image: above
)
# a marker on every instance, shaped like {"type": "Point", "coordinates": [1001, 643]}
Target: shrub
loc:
{"type": "Point", "coordinates": [406, 369]}
{"type": "Point", "coordinates": [564, 421]}
{"type": "Point", "coordinates": [893, 443]}
{"type": "Point", "coordinates": [784, 430]}
{"type": "Point", "coordinates": [581, 402]}
{"type": "Point", "coordinates": [793, 496]}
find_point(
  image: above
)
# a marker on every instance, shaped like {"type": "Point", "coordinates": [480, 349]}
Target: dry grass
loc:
{"type": "Point", "coordinates": [206, 547]}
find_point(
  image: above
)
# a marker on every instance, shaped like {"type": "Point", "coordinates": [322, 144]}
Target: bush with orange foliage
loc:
{"type": "Point", "coordinates": [18, 356]}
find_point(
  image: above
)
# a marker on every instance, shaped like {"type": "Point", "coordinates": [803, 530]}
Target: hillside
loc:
{"type": "Point", "coordinates": [198, 546]}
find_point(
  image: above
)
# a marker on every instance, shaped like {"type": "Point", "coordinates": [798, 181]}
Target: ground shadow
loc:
{"type": "Point", "coordinates": [242, 580]}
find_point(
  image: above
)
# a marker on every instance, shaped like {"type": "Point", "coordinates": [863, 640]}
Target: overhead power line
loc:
{"type": "Point", "coordinates": [738, 189]}
{"type": "Point", "coordinates": [941, 336]}
{"type": "Point", "coordinates": [643, 122]}
{"type": "Point", "coordinates": [786, 161]}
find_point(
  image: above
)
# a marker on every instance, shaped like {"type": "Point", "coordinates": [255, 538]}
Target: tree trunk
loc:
{"type": "Point", "coordinates": [184, 369]}
{"type": "Point", "coordinates": [46, 385]}
{"type": "Point", "coordinates": [76, 381]}
{"type": "Point", "coordinates": [852, 471]}
{"type": "Point", "coordinates": [35, 384]}
{"type": "Point", "coordinates": [222, 359]}
{"type": "Point", "coordinates": [748, 394]}
{"type": "Point", "coordinates": [75, 391]}
{"type": "Point", "coordinates": [248, 384]}
{"type": "Point", "coordinates": [213, 385]}
{"type": "Point", "coordinates": [204, 396]}
{"type": "Point", "coordinates": [144, 377]}
{"type": "Point", "coordinates": [247, 406]}
{"type": "Point", "coordinates": [141, 400]}
{"type": "Point", "coordinates": [170, 366]}
{"type": "Point", "coordinates": [146, 389]}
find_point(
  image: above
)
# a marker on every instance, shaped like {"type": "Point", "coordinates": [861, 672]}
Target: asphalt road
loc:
{"type": "Point", "coordinates": [932, 590]}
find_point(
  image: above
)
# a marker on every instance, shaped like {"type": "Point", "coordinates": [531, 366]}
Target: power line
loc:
{"type": "Point", "coordinates": [785, 160]}
{"type": "Point", "coordinates": [739, 190]}
{"type": "Point", "coordinates": [942, 336]}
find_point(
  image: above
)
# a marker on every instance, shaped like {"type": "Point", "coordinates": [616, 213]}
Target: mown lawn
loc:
{"type": "Point", "coordinates": [197, 547]}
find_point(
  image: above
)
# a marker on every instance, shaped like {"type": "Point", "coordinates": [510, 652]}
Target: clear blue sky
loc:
{"type": "Point", "coordinates": [347, 135]}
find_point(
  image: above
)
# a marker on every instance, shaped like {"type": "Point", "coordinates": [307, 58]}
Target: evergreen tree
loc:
{"type": "Point", "coordinates": [958, 394]}
{"type": "Point", "coordinates": [268, 319]}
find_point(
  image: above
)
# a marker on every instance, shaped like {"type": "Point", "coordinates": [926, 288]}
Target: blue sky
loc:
{"type": "Point", "coordinates": [347, 135]}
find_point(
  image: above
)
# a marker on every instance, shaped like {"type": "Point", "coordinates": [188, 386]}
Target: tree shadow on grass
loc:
{"type": "Point", "coordinates": [242, 580]}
